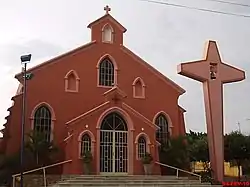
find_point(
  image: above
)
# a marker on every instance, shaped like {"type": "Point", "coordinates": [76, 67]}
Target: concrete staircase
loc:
{"type": "Point", "coordinates": [130, 181]}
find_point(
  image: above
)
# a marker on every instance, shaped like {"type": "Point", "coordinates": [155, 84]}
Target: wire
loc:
{"type": "Point", "coordinates": [195, 8]}
{"type": "Point", "coordinates": [230, 3]}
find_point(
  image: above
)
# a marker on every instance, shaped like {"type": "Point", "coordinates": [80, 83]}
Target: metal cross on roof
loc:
{"type": "Point", "coordinates": [107, 9]}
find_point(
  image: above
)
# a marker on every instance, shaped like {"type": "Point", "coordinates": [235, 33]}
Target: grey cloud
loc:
{"type": "Point", "coordinates": [162, 35]}
{"type": "Point", "coordinates": [10, 53]}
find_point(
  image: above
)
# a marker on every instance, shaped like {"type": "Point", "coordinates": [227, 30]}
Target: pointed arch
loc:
{"type": "Point", "coordinates": [42, 120]}
{"type": "Point", "coordinates": [130, 139]}
{"type": "Point", "coordinates": [107, 33]}
{"type": "Point", "coordinates": [86, 141]}
{"type": "Point", "coordinates": [143, 143]}
{"type": "Point", "coordinates": [106, 71]}
{"type": "Point", "coordinates": [145, 136]}
{"type": "Point", "coordinates": [163, 120]}
{"type": "Point", "coordinates": [53, 116]}
{"type": "Point", "coordinates": [86, 132]}
{"type": "Point", "coordinates": [120, 111]}
{"type": "Point", "coordinates": [72, 81]}
{"type": "Point", "coordinates": [138, 88]}
{"type": "Point", "coordinates": [107, 55]}
{"type": "Point", "coordinates": [114, 121]}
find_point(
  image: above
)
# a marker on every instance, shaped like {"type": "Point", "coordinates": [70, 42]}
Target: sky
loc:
{"type": "Point", "coordinates": [164, 36]}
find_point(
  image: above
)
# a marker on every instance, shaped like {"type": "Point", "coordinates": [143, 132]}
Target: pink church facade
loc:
{"type": "Point", "coordinates": [103, 98]}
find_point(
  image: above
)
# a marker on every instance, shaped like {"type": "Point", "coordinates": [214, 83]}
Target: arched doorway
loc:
{"type": "Point", "coordinates": [113, 144]}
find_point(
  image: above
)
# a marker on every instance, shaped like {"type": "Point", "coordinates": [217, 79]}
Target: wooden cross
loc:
{"type": "Point", "coordinates": [213, 73]}
{"type": "Point", "coordinates": [107, 9]}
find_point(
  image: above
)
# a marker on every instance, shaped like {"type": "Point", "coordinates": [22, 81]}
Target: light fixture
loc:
{"type": "Point", "coordinates": [24, 60]}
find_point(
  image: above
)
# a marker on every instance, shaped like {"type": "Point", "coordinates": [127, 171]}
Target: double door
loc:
{"type": "Point", "coordinates": [113, 151]}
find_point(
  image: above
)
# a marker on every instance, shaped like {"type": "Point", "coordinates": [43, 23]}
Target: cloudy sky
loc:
{"type": "Point", "coordinates": [48, 28]}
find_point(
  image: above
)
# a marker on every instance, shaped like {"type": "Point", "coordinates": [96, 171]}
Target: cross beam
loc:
{"type": "Point", "coordinates": [213, 73]}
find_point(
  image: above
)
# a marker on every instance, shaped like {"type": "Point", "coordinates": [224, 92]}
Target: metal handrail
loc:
{"type": "Point", "coordinates": [41, 168]}
{"type": "Point", "coordinates": [178, 169]}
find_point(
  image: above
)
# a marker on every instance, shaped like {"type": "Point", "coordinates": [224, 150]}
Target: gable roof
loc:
{"type": "Point", "coordinates": [87, 113]}
{"type": "Point", "coordinates": [138, 114]}
{"type": "Point", "coordinates": [126, 50]}
{"type": "Point", "coordinates": [54, 60]}
{"type": "Point", "coordinates": [107, 104]}
{"type": "Point", "coordinates": [117, 90]}
{"type": "Point", "coordinates": [153, 70]}
{"type": "Point", "coordinates": [109, 17]}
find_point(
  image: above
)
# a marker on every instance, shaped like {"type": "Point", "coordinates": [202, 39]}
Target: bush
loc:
{"type": "Point", "coordinates": [147, 159]}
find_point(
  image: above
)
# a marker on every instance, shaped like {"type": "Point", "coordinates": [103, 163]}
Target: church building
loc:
{"type": "Point", "coordinates": [100, 97]}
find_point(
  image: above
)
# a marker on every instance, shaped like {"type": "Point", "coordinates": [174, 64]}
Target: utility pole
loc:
{"type": "Point", "coordinates": [239, 127]}
{"type": "Point", "coordinates": [24, 60]}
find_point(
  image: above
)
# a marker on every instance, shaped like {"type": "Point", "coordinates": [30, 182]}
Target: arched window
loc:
{"type": "Point", "coordinates": [106, 73]}
{"type": "Point", "coordinates": [42, 122]}
{"type": "Point", "coordinates": [138, 88]}
{"type": "Point", "coordinates": [114, 121]}
{"type": "Point", "coordinates": [141, 147]}
{"type": "Point", "coordinates": [85, 143]}
{"type": "Point", "coordinates": [107, 34]}
{"type": "Point", "coordinates": [71, 82]}
{"type": "Point", "coordinates": [162, 133]}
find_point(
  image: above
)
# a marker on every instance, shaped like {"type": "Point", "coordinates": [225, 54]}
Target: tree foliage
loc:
{"type": "Point", "coordinates": [197, 147]}
{"type": "Point", "coordinates": [174, 153]}
{"type": "Point", "coordinates": [38, 152]}
{"type": "Point", "coordinates": [237, 149]}
{"type": "Point", "coordinates": [179, 151]}
{"type": "Point", "coordinates": [11, 165]}
{"type": "Point", "coordinates": [41, 149]}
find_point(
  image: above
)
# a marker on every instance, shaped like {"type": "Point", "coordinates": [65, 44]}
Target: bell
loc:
{"type": "Point", "coordinates": [213, 75]}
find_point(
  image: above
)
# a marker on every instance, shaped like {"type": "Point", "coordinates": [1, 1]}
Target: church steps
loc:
{"type": "Point", "coordinates": [134, 180]}
{"type": "Point", "coordinates": [129, 181]}
{"type": "Point", "coordinates": [134, 185]}
{"type": "Point", "coordinates": [127, 177]}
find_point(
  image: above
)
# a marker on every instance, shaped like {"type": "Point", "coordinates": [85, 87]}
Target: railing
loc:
{"type": "Point", "coordinates": [38, 169]}
{"type": "Point", "coordinates": [178, 169]}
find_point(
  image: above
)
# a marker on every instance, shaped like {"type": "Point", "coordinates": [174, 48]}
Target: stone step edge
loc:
{"type": "Point", "coordinates": [129, 184]}
{"type": "Point", "coordinates": [128, 181]}
{"type": "Point", "coordinates": [136, 180]}
{"type": "Point", "coordinates": [150, 181]}
{"type": "Point", "coordinates": [112, 184]}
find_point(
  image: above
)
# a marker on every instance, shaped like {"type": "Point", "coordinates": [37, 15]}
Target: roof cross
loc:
{"type": "Point", "coordinates": [107, 9]}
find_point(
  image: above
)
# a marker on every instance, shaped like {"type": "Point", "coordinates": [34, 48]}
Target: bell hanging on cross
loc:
{"type": "Point", "coordinates": [213, 75]}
